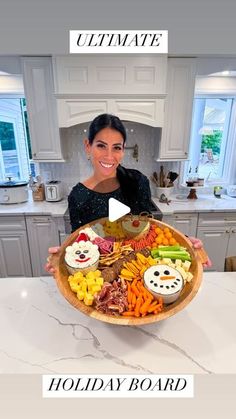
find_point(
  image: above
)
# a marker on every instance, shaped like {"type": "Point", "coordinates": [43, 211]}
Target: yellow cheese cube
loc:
{"type": "Point", "coordinates": [97, 273]}
{"type": "Point", "coordinates": [80, 295]}
{"type": "Point", "coordinates": [88, 299]}
{"type": "Point", "coordinates": [90, 275]}
{"type": "Point", "coordinates": [90, 281]}
{"type": "Point", "coordinates": [74, 287]}
{"type": "Point", "coordinates": [99, 281]}
{"type": "Point", "coordinates": [78, 275]}
{"type": "Point", "coordinates": [95, 288]}
{"type": "Point", "coordinates": [84, 286]}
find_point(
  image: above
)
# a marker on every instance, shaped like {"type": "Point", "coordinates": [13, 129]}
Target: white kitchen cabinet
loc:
{"type": "Point", "coordinates": [14, 251]}
{"type": "Point", "coordinates": [175, 138]}
{"type": "Point", "coordinates": [231, 248]}
{"type": "Point", "coordinates": [218, 234]}
{"type": "Point", "coordinates": [145, 111]}
{"type": "Point", "coordinates": [215, 240]}
{"type": "Point", "coordinates": [186, 223]}
{"type": "Point", "coordinates": [42, 234]}
{"type": "Point", "coordinates": [42, 109]}
{"type": "Point", "coordinates": [110, 74]}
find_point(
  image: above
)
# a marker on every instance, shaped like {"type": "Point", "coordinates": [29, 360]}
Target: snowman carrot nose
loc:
{"type": "Point", "coordinates": [167, 277]}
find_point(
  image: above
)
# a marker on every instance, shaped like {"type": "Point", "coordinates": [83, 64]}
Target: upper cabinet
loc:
{"type": "Point", "coordinates": [132, 87]}
{"type": "Point", "coordinates": [176, 132]}
{"type": "Point", "coordinates": [42, 109]}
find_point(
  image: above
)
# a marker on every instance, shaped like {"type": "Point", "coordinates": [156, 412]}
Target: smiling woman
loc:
{"type": "Point", "coordinates": [104, 147]}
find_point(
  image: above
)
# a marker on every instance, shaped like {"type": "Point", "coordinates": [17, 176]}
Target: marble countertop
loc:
{"type": "Point", "coordinates": [42, 333]}
{"type": "Point", "coordinates": [204, 203]}
{"type": "Point", "coordinates": [57, 209]}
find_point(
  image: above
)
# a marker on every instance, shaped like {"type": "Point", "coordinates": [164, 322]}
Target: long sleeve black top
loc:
{"type": "Point", "coordinates": [86, 205]}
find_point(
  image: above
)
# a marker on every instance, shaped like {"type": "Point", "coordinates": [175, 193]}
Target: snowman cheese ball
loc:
{"type": "Point", "coordinates": [164, 281]}
{"type": "Point", "coordinates": [82, 256]}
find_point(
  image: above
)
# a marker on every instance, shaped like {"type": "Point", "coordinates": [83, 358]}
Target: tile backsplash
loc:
{"type": "Point", "coordinates": [77, 167]}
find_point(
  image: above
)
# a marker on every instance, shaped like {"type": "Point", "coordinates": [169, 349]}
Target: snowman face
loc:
{"type": "Point", "coordinates": [82, 254]}
{"type": "Point", "coordinates": [163, 279]}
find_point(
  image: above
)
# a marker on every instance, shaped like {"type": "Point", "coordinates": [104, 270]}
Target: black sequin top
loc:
{"type": "Point", "coordinates": [86, 205]}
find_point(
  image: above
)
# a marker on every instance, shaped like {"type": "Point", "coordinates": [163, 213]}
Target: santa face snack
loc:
{"type": "Point", "coordinates": [82, 256]}
{"type": "Point", "coordinates": [164, 281]}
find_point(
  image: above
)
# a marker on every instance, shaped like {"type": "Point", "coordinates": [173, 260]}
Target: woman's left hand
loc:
{"type": "Point", "coordinates": [197, 244]}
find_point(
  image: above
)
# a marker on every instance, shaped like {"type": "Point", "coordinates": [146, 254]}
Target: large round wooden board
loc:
{"type": "Point", "coordinates": [188, 293]}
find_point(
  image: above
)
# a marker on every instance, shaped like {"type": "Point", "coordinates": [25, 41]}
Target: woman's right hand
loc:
{"type": "Point", "coordinates": [48, 267]}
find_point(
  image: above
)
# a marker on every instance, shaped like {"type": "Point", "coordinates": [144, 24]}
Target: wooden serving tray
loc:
{"type": "Point", "coordinates": [190, 290]}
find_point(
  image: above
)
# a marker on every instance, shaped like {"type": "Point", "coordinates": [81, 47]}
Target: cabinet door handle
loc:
{"type": "Point", "coordinates": [233, 231]}
{"type": "Point", "coordinates": [42, 220]}
{"type": "Point", "coordinates": [227, 231]}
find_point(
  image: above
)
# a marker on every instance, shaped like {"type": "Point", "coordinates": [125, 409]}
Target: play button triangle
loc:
{"type": "Point", "coordinates": [116, 209]}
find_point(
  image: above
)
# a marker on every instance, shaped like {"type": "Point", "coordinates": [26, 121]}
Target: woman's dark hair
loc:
{"type": "Point", "coordinates": [127, 179]}
{"type": "Point", "coordinates": [105, 120]}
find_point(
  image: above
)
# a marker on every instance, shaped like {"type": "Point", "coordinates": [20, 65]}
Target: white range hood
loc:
{"type": "Point", "coordinates": [132, 87]}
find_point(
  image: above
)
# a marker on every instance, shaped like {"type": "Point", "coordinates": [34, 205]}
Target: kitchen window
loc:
{"type": "Point", "coordinates": [15, 148]}
{"type": "Point", "coordinates": [212, 139]}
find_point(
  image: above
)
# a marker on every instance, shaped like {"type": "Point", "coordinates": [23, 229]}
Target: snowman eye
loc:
{"type": "Point", "coordinates": [156, 273]}
{"type": "Point", "coordinates": [166, 272]}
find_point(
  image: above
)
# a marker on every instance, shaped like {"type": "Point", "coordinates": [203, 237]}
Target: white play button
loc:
{"type": "Point", "coordinates": [116, 209]}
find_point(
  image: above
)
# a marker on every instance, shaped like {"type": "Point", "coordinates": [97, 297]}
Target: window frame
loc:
{"type": "Point", "coordinates": [229, 171]}
{"type": "Point", "coordinates": [19, 96]}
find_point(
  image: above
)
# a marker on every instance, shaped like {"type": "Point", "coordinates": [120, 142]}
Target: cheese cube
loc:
{"type": "Point", "coordinates": [74, 287]}
{"type": "Point", "coordinates": [97, 273]}
{"type": "Point", "coordinates": [90, 275]}
{"type": "Point", "coordinates": [178, 262]}
{"type": "Point", "coordinates": [80, 295]}
{"type": "Point", "coordinates": [99, 281]}
{"type": "Point", "coordinates": [84, 286]}
{"type": "Point", "coordinates": [189, 277]}
{"type": "Point", "coordinates": [186, 265]}
{"type": "Point", "coordinates": [95, 288]}
{"type": "Point", "coordinates": [88, 299]}
{"type": "Point", "coordinates": [90, 281]}
{"type": "Point", "coordinates": [167, 261]}
{"type": "Point", "coordinates": [182, 272]}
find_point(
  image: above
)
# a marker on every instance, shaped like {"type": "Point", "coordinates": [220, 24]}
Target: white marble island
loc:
{"type": "Point", "coordinates": [42, 333]}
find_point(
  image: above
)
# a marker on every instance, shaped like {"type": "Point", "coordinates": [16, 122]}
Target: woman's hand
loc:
{"type": "Point", "coordinates": [197, 244]}
{"type": "Point", "coordinates": [48, 267]}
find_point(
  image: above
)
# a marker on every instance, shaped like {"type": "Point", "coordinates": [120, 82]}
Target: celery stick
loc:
{"type": "Point", "coordinates": [175, 255]}
{"type": "Point", "coordinates": [173, 248]}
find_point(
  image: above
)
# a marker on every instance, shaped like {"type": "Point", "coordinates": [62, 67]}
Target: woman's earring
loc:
{"type": "Point", "coordinates": [88, 156]}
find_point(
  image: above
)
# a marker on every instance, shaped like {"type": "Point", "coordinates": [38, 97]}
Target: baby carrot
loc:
{"type": "Point", "coordinates": [144, 307]}
{"type": "Point", "coordinates": [129, 295]}
{"type": "Point", "coordinates": [128, 313]}
{"type": "Point", "coordinates": [134, 288]}
{"type": "Point", "coordinates": [137, 306]}
{"type": "Point", "coordinates": [133, 300]}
